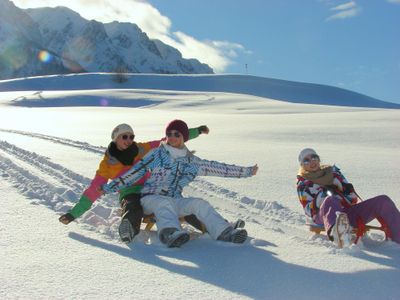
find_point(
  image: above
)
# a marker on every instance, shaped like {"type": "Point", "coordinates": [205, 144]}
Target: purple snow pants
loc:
{"type": "Point", "coordinates": [381, 207]}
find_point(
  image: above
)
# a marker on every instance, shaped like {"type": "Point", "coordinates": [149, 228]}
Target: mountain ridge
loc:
{"type": "Point", "coordinates": [72, 44]}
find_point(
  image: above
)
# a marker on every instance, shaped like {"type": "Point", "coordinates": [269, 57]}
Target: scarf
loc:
{"type": "Point", "coordinates": [125, 157]}
{"type": "Point", "coordinates": [323, 176]}
{"type": "Point", "coordinates": [176, 152]}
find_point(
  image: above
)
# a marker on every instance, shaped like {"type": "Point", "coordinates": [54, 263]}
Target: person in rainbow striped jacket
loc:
{"type": "Point", "coordinates": [329, 200]}
{"type": "Point", "coordinates": [122, 153]}
{"type": "Point", "coordinates": [172, 167]}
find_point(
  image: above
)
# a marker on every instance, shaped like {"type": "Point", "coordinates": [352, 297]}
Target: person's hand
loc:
{"type": "Point", "coordinates": [66, 218]}
{"type": "Point", "coordinates": [255, 169]}
{"type": "Point", "coordinates": [203, 129]}
{"type": "Point", "coordinates": [347, 188]}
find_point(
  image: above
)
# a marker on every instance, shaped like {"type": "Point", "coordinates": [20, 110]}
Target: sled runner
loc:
{"type": "Point", "coordinates": [359, 231]}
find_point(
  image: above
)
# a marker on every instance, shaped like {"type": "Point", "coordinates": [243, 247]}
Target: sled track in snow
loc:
{"type": "Point", "coordinates": [58, 140]}
{"type": "Point", "coordinates": [65, 176]}
{"type": "Point", "coordinates": [270, 211]}
{"type": "Point", "coordinates": [105, 214]}
{"type": "Point", "coordinates": [61, 193]}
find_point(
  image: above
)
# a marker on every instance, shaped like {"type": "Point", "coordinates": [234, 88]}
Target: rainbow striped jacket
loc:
{"type": "Point", "coordinates": [311, 195]}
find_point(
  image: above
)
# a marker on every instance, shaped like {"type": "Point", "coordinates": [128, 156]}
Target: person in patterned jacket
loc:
{"type": "Point", "coordinates": [172, 167]}
{"type": "Point", "coordinates": [330, 200]}
{"type": "Point", "coordinates": [122, 153]}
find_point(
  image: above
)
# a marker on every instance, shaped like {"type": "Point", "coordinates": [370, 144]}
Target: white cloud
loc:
{"type": "Point", "coordinates": [394, 1]}
{"type": "Point", "coordinates": [217, 54]}
{"type": "Point", "coordinates": [345, 6]}
{"type": "Point", "coordinates": [344, 14]}
{"type": "Point", "coordinates": [345, 11]}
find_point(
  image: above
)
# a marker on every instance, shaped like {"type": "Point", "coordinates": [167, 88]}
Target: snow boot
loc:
{"type": "Point", "coordinates": [341, 231]}
{"type": "Point", "coordinates": [233, 235]}
{"type": "Point", "coordinates": [126, 232]}
{"type": "Point", "coordinates": [173, 237]}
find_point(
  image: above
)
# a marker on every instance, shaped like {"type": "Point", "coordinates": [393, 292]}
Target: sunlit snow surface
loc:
{"type": "Point", "coordinates": [52, 141]}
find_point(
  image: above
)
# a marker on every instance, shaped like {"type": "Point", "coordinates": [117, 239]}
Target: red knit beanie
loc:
{"type": "Point", "coordinates": [179, 126]}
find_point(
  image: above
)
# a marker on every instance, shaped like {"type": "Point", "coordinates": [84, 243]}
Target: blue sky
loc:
{"type": "Point", "coordinates": [349, 44]}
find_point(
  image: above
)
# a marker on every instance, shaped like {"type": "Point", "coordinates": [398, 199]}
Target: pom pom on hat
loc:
{"type": "Point", "coordinates": [179, 126]}
{"type": "Point", "coordinates": [121, 128]}
{"type": "Point", "coordinates": [306, 152]}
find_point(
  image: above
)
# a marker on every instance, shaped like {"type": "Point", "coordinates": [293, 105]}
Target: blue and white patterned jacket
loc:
{"type": "Point", "coordinates": [169, 176]}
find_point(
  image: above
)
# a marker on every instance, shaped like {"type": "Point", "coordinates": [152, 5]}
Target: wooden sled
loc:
{"type": "Point", "coordinates": [150, 221]}
{"type": "Point", "coordinates": [317, 229]}
{"type": "Point", "coordinates": [359, 232]}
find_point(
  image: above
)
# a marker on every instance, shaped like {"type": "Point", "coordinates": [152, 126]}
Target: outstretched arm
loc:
{"type": "Point", "coordinates": [90, 195]}
{"type": "Point", "coordinates": [195, 132]}
{"type": "Point", "coordinates": [214, 168]}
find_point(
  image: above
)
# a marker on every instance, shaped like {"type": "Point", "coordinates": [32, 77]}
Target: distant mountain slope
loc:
{"type": "Point", "coordinates": [289, 91]}
{"type": "Point", "coordinates": [74, 44]}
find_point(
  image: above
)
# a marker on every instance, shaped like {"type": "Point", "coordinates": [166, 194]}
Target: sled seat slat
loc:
{"type": "Point", "coordinates": [150, 220]}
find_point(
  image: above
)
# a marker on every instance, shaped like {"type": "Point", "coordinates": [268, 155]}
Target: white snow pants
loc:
{"type": "Point", "coordinates": [167, 211]}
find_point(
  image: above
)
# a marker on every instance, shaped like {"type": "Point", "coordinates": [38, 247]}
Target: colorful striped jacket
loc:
{"type": "Point", "coordinates": [311, 195]}
{"type": "Point", "coordinates": [110, 168]}
{"type": "Point", "coordinates": [169, 176]}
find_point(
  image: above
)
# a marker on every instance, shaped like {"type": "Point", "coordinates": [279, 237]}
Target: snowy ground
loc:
{"type": "Point", "coordinates": [49, 154]}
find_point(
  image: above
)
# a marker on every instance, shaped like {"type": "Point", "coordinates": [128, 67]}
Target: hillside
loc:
{"type": "Point", "coordinates": [289, 91]}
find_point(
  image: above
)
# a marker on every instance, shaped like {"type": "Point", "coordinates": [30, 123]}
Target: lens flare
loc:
{"type": "Point", "coordinates": [104, 102]}
{"type": "Point", "coordinates": [45, 56]}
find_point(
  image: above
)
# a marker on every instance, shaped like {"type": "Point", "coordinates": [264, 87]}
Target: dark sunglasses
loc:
{"type": "Point", "coordinates": [313, 157]}
{"type": "Point", "coordinates": [125, 137]}
{"type": "Point", "coordinates": [175, 134]}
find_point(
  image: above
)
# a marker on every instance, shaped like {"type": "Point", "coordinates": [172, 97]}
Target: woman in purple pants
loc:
{"type": "Point", "coordinates": [330, 200]}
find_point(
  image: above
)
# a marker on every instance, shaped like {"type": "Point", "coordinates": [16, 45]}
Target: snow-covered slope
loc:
{"type": "Point", "coordinates": [48, 155]}
{"type": "Point", "coordinates": [267, 88]}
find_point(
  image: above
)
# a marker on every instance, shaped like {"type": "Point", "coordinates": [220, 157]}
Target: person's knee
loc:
{"type": "Point", "coordinates": [200, 203]}
{"type": "Point", "coordinates": [385, 201]}
{"type": "Point", "coordinates": [385, 198]}
{"type": "Point", "coordinates": [151, 202]}
{"type": "Point", "coordinates": [328, 201]}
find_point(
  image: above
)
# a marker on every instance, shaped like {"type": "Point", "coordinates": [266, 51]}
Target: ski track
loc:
{"type": "Point", "coordinates": [104, 216]}
{"type": "Point", "coordinates": [76, 144]}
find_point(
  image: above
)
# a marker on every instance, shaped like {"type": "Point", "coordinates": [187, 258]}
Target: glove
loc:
{"type": "Point", "coordinates": [255, 169]}
{"type": "Point", "coordinates": [347, 188]}
{"type": "Point", "coordinates": [203, 129]}
{"type": "Point", "coordinates": [66, 218]}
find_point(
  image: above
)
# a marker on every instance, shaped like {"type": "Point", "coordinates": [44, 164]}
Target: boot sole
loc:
{"type": "Point", "coordinates": [179, 241]}
{"type": "Point", "coordinates": [125, 231]}
{"type": "Point", "coordinates": [240, 237]}
{"type": "Point", "coordinates": [342, 228]}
